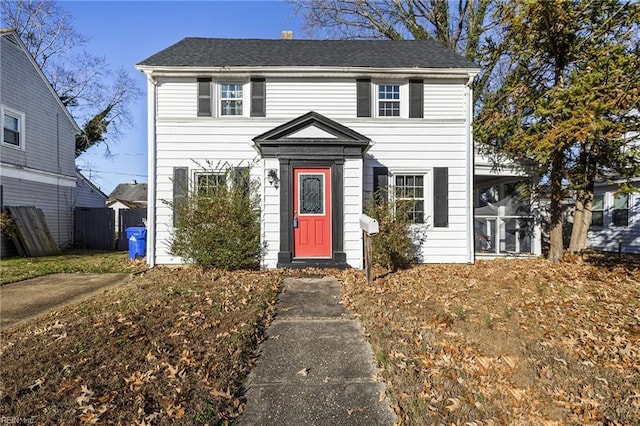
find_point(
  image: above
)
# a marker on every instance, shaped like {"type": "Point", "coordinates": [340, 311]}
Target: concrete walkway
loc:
{"type": "Point", "coordinates": [315, 367]}
{"type": "Point", "coordinates": [28, 299]}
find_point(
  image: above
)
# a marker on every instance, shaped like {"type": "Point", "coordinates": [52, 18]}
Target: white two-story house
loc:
{"type": "Point", "coordinates": [325, 123]}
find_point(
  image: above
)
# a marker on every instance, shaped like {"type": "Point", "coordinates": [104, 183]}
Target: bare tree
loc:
{"type": "Point", "coordinates": [97, 96]}
{"type": "Point", "coordinates": [461, 25]}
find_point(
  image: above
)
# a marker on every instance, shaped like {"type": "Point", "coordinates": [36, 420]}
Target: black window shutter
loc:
{"type": "Point", "coordinates": [380, 183]}
{"type": "Point", "coordinates": [416, 99]}
{"type": "Point", "coordinates": [204, 97]}
{"type": "Point", "coordinates": [440, 197]}
{"type": "Point", "coordinates": [258, 97]}
{"type": "Point", "coordinates": [241, 179]}
{"type": "Point", "coordinates": [363, 93]}
{"type": "Point", "coordinates": [180, 188]}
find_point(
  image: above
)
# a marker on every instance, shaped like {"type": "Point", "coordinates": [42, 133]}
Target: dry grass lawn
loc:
{"type": "Point", "coordinates": [510, 341]}
{"type": "Point", "coordinates": [172, 346]}
{"type": "Point", "coordinates": [499, 342]}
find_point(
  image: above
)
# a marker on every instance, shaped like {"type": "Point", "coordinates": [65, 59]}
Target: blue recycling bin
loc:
{"type": "Point", "coordinates": [137, 236]}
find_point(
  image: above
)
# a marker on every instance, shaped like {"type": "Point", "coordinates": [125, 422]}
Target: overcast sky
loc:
{"type": "Point", "coordinates": [126, 33]}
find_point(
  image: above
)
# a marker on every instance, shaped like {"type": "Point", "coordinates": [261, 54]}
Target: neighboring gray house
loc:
{"type": "Point", "coordinates": [615, 221]}
{"type": "Point", "coordinates": [88, 195]}
{"type": "Point", "coordinates": [37, 144]}
{"type": "Point", "coordinates": [127, 196]}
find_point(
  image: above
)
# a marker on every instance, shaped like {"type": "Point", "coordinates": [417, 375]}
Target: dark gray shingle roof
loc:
{"type": "Point", "coordinates": [216, 52]}
{"type": "Point", "coordinates": [134, 192]}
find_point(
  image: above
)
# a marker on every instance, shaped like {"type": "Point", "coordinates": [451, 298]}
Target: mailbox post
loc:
{"type": "Point", "coordinates": [370, 227]}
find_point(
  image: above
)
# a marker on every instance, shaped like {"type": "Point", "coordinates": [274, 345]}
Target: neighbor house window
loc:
{"type": "Point", "coordinates": [206, 183]}
{"type": "Point", "coordinates": [409, 194]}
{"type": "Point", "coordinates": [597, 210]}
{"type": "Point", "coordinates": [621, 210]}
{"type": "Point", "coordinates": [231, 99]}
{"type": "Point", "coordinates": [12, 128]}
{"type": "Point", "coordinates": [388, 100]}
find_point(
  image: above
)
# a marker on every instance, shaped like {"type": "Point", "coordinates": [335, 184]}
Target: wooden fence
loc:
{"type": "Point", "coordinates": [94, 228]}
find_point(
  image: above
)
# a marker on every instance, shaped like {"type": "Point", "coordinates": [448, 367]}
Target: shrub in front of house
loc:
{"type": "Point", "coordinates": [217, 223]}
{"type": "Point", "coordinates": [397, 245]}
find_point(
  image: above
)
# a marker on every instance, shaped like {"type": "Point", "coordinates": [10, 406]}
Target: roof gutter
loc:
{"type": "Point", "coordinates": [308, 71]}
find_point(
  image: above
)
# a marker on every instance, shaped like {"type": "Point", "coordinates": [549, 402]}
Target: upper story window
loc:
{"type": "Point", "coordinates": [12, 128]}
{"type": "Point", "coordinates": [231, 95]}
{"type": "Point", "coordinates": [620, 210]}
{"type": "Point", "coordinates": [389, 100]}
{"type": "Point", "coordinates": [597, 210]}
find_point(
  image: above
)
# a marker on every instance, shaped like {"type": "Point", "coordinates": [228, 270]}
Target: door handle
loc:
{"type": "Point", "coordinates": [295, 222]}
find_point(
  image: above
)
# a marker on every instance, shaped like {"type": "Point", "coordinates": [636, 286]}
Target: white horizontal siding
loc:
{"type": "Point", "coordinates": [352, 211]}
{"type": "Point", "coordinates": [177, 97]}
{"type": "Point", "coordinates": [444, 100]}
{"type": "Point", "coordinates": [439, 140]}
{"type": "Point", "coordinates": [271, 214]}
{"type": "Point", "coordinates": [294, 97]}
{"type": "Point", "coordinates": [419, 147]}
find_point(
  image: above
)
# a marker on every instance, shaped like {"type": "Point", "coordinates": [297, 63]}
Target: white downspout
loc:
{"type": "Point", "coordinates": [151, 170]}
{"type": "Point", "coordinates": [470, 169]}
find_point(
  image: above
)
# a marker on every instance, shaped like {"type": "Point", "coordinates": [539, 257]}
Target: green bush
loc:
{"type": "Point", "coordinates": [218, 223]}
{"type": "Point", "coordinates": [398, 244]}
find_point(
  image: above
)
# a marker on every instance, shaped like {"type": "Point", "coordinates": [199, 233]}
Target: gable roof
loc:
{"type": "Point", "coordinates": [12, 36]}
{"type": "Point", "coordinates": [217, 52]}
{"type": "Point", "coordinates": [339, 139]}
{"type": "Point", "coordinates": [83, 178]}
{"type": "Point", "coordinates": [131, 192]}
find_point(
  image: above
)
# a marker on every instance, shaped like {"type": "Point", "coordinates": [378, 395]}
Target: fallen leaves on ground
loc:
{"type": "Point", "coordinates": [506, 341]}
{"type": "Point", "coordinates": [172, 346]}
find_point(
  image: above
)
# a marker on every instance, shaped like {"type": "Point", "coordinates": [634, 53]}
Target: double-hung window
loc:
{"type": "Point", "coordinates": [597, 210]}
{"type": "Point", "coordinates": [410, 196]}
{"type": "Point", "coordinates": [389, 100]}
{"type": "Point", "coordinates": [231, 95]}
{"type": "Point", "coordinates": [12, 128]}
{"type": "Point", "coordinates": [207, 183]}
{"type": "Point", "coordinates": [621, 210]}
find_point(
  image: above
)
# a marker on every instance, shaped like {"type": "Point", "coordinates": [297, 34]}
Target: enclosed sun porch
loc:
{"type": "Point", "coordinates": [506, 217]}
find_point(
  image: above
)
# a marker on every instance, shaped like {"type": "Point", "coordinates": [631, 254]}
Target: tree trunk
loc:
{"type": "Point", "coordinates": [581, 221]}
{"type": "Point", "coordinates": [586, 218]}
{"type": "Point", "coordinates": [578, 224]}
{"type": "Point", "coordinates": [555, 232]}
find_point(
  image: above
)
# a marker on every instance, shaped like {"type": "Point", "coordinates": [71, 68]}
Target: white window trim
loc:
{"type": "Point", "coordinates": [245, 98]}
{"type": "Point", "coordinates": [604, 211]}
{"type": "Point", "coordinates": [612, 199]}
{"type": "Point", "coordinates": [404, 98]}
{"type": "Point", "coordinates": [428, 192]}
{"type": "Point", "coordinates": [21, 118]}
{"type": "Point", "coordinates": [196, 176]}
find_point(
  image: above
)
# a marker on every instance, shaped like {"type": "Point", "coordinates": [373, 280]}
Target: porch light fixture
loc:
{"type": "Point", "coordinates": [272, 177]}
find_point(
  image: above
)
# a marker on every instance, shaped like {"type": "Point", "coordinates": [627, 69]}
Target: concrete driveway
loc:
{"type": "Point", "coordinates": [31, 298]}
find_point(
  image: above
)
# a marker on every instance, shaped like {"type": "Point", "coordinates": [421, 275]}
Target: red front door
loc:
{"type": "Point", "coordinates": [312, 212]}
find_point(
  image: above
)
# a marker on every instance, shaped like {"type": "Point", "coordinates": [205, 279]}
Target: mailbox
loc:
{"type": "Point", "coordinates": [369, 224]}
